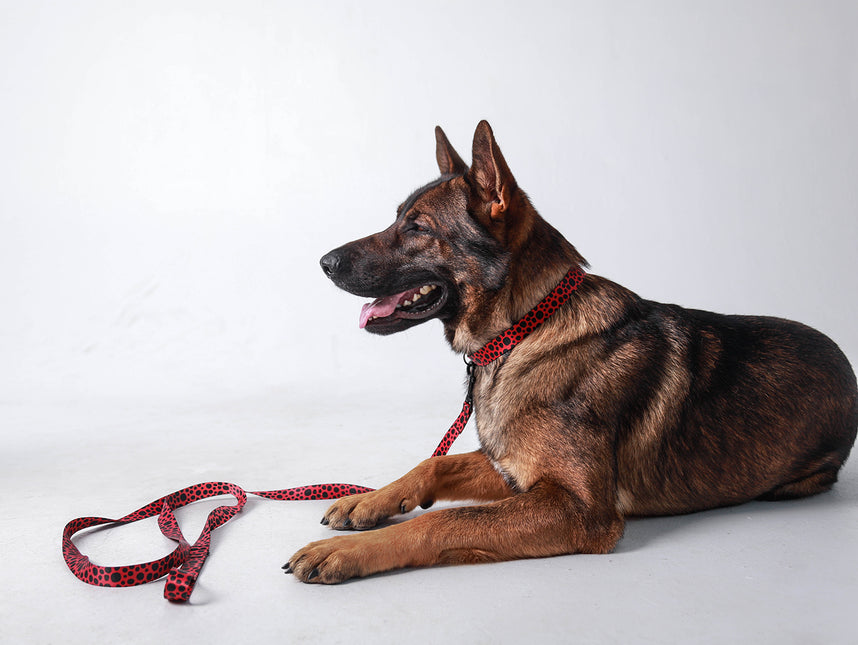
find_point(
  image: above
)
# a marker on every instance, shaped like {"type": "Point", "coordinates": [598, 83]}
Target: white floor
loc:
{"type": "Point", "coordinates": [760, 573]}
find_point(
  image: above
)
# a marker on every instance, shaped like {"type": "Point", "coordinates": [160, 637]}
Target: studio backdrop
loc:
{"type": "Point", "coordinates": [171, 173]}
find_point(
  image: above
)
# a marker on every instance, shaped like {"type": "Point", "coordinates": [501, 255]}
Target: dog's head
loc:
{"type": "Point", "coordinates": [451, 249]}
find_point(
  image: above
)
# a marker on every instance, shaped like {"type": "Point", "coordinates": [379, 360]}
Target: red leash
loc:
{"type": "Point", "coordinates": [182, 566]}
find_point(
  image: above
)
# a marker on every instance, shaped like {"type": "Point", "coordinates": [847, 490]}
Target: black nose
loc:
{"type": "Point", "coordinates": [330, 263]}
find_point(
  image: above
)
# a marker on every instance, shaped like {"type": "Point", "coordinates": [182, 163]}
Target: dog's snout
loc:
{"type": "Point", "coordinates": [330, 263]}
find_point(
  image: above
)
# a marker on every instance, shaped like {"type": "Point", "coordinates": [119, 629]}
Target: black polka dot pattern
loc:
{"type": "Point", "coordinates": [534, 318]}
{"type": "Point", "coordinates": [183, 565]}
{"type": "Point", "coordinates": [454, 431]}
{"type": "Point", "coordinates": [315, 491]}
{"type": "Point", "coordinates": [180, 581]}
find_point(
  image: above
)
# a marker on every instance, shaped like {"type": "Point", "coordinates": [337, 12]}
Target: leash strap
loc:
{"type": "Point", "coordinates": [183, 565]}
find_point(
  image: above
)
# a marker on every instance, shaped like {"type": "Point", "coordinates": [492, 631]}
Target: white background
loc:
{"type": "Point", "coordinates": [170, 173]}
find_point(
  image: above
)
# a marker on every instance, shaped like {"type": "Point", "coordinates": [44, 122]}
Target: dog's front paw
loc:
{"type": "Point", "coordinates": [366, 510]}
{"type": "Point", "coordinates": [337, 559]}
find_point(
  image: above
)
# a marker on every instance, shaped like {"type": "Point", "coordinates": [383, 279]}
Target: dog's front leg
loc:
{"type": "Point", "coordinates": [470, 476]}
{"type": "Point", "coordinates": [543, 521]}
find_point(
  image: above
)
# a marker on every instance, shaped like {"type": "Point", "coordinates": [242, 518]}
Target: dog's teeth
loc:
{"type": "Point", "coordinates": [406, 303]}
{"type": "Point", "coordinates": [416, 297]}
{"type": "Point", "coordinates": [425, 289]}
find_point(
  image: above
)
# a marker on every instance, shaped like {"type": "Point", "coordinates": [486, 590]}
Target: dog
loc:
{"type": "Point", "coordinates": [614, 407]}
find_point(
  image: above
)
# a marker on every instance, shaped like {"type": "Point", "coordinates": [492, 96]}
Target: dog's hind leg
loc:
{"type": "Point", "coordinates": [811, 477]}
{"type": "Point", "coordinates": [543, 521]}
{"type": "Point", "coordinates": [470, 476]}
{"type": "Point", "coordinates": [814, 484]}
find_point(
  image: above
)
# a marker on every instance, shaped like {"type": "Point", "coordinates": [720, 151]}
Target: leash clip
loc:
{"type": "Point", "coordinates": [471, 370]}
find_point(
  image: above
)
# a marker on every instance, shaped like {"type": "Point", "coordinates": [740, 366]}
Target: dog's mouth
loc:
{"type": "Point", "coordinates": [416, 304]}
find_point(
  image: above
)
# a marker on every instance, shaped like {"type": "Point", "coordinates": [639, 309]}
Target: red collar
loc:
{"type": "Point", "coordinates": [504, 344]}
{"type": "Point", "coordinates": [535, 317]}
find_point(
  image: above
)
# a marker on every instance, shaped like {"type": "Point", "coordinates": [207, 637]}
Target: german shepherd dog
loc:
{"type": "Point", "coordinates": [615, 406]}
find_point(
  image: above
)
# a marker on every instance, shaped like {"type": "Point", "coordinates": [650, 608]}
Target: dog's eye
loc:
{"type": "Point", "coordinates": [416, 227]}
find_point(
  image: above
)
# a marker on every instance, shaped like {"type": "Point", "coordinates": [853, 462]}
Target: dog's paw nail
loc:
{"type": "Point", "coordinates": [287, 568]}
{"type": "Point", "coordinates": [427, 503]}
{"type": "Point", "coordinates": [313, 574]}
{"type": "Point", "coordinates": [402, 508]}
{"type": "Point", "coordinates": [325, 521]}
{"type": "Point", "coordinates": [347, 523]}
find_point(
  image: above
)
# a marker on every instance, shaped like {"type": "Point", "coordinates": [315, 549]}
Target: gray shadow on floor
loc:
{"type": "Point", "coordinates": [644, 531]}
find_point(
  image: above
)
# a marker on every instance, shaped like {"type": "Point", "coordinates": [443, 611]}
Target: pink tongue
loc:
{"type": "Point", "coordinates": [381, 308]}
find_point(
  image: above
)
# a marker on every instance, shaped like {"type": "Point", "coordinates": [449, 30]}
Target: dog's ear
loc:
{"type": "Point", "coordinates": [490, 178]}
{"type": "Point", "coordinates": [449, 161]}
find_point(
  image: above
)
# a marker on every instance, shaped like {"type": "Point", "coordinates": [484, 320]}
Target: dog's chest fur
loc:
{"type": "Point", "coordinates": [492, 421]}
{"type": "Point", "coordinates": [508, 401]}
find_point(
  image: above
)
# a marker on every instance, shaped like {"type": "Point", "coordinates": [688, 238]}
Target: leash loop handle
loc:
{"type": "Point", "coordinates": [189, 557]}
